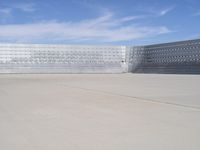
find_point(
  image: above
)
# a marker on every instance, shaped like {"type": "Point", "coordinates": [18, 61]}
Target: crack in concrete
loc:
{"type": "Point", "coordinates": [135, 97]}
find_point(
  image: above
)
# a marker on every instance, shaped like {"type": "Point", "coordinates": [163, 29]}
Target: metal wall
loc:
{"type": "Point", "coordinates": [24, 58]}
{"type": "Point", "coordinates": [177, 57]}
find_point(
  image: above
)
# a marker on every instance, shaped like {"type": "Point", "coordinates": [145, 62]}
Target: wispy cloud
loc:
{"type": "Point", "coordinates": [131, 18]}
{"type": "Point", "coordinates": [165, 11]}
{"type": "Point", "coordinates": [105, 28]}
{"type": "Point", "coordinates": [5, 14]}
{"type": "Point", "coordinates": [8, 11]}
{"type": "Point", "coordinates": [155, 11]}
{"type": "Point", "coordinates": [26, 7]}
{"type": "Point", "coordinates": [5, 11]}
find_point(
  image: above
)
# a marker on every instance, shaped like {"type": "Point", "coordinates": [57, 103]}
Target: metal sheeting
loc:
{"type": "Point", "coordinates": [177, 57]}
{"type": "Point", "coordinates": [32, 58]}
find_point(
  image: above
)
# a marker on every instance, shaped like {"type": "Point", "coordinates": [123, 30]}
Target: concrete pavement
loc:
{"type": "Point", "coordinates": [99, 111]}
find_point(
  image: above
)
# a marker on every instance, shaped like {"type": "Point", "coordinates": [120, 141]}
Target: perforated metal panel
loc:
{"type": "Point", "coordinates": [177, 57]}
{"type": "Point", "coordinates": [18, 58]}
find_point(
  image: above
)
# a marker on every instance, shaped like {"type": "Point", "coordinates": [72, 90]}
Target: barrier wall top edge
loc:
{"type": "Point", "coordinates": [61, 45]}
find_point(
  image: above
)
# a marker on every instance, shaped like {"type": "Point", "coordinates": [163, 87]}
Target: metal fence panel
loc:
{"type": "Point", "coordinates": [32, 58]}
{"type": "Point", "coordinates": [176, 57]}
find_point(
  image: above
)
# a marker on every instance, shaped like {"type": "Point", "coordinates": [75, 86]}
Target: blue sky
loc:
{"type": "Point", "coordinates": [113, 22]}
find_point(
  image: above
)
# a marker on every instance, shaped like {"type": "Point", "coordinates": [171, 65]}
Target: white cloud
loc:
{"type": "Point", "coordinates": [165, 11]}
{"type": "Point", "coordinates": [131, 18]}
{"type": "Point", "coordinates": [105, 28]}
{"type": "Point", "coordinates": [6, 13]}
{"type": "Point", "coordinates": [155, 10]}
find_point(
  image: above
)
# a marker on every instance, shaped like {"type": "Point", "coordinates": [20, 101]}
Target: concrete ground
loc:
{"type": "Point", "coordinates": [99, 112]}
